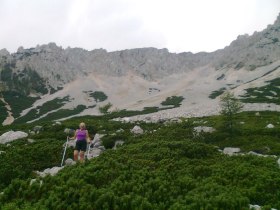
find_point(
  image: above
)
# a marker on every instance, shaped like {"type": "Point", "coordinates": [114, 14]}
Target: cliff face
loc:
{"type": "Point", "coordinates": [137, 78]}
{"type": "Point", "coordinates": [57, 66]}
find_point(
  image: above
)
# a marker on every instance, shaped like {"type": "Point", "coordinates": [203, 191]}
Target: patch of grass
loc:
{"type": "Point", "coordinates": [217, 93]}
{"type": "Point", "coordinates": [98, 96]}
{"type": "Point", "coordinates": [3, 112]}
{"type": "Point", "coordinates": [41, 110]}
{"type": "Point", "coordinates": [269, 93]}
{"type": "Point", "coordinates": [62, 113]}
{"type": "Point", "coordinates": [18, 101]}
{"type": "Point", "coordinates": [173, 101]}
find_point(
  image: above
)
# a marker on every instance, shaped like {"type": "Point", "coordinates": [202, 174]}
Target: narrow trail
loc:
{"type": "Point", "coordinates": [10, 119]}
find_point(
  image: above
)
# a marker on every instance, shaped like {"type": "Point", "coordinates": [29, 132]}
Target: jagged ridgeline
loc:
{"type": "Point", "coordinates": [137, 78]}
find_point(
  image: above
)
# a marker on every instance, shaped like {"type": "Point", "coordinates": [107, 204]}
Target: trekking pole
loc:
{"type": "Point", "coordinates": [88, 149]}
{"type": "Point", "coordinates": [64, 151]}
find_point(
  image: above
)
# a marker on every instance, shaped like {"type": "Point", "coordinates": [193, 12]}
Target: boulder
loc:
{"type": "Point", "coordinates": [126, 119]}
{"type": "Point", "coordinates": [37, 128]}
{"type": "Point", "coordinates": [120, 130]}
{"type": "Point", "coordinates": [69, 162]}
{"type": "Point", "coordinates": [101, 148]}
{"type": "Point", "coordinates": [270, 126]}
{"type": "Point", "coordinates": [30, 140]}
{"type": "Point", "coordinates": [49, 171]}
{"type": "Point", "coordinates": [71, 143]}
{"type": "Point", "coordinates": [12, 136]}
{"type": "Point", "coordinates": [204, 129]}
{"type": "Point", "coordinates": [94, 152]}
{"type": "Point", "coordinates": [137, 130]}
{"type": "Point", "coordinates": [97, 138]}
{"type": "Point", "coordinates": [231, 150]}
{"type": "Point", "coordinates": [118, 143]}
{"type": "Point", "coordinates": [278, 161]}
{"type": "Point", "coordinates": [69, 131]}
{"type": "Point", "coordinates": [255, 207]}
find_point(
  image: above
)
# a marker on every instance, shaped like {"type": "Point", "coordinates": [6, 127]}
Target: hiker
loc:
{"type": "Point", "coordinates": [82, 138]}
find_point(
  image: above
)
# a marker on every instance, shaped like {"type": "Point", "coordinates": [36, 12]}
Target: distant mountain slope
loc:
{"type": "Point", "coordinates": [137, 78]}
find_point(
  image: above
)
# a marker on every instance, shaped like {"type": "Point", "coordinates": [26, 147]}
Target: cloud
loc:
{"type": "Point", "coordinates": [179, 25]}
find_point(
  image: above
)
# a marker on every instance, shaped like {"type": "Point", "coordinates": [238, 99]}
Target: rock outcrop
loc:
{"type": "Point", "coordinates": [12, 136]}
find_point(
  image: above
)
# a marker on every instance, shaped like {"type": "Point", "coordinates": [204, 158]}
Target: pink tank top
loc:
{"type": "Point", "coordinates": [81, 135]}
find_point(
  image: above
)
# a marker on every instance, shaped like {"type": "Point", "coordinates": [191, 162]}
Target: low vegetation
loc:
{"type": "Point", "coordinates": [174, 101]}
{"type": "Point", "coordinates": [265, 94]}
{"type": "Point", "coordinates": [168, 167]}
{"type": "Point", "coordinates": [217, 93]}
{"type": "Point", "coordinates": [98, 96]}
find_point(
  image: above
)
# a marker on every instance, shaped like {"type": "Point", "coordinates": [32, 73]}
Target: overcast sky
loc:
{"type": "Point", "coordinates": [179, 25]}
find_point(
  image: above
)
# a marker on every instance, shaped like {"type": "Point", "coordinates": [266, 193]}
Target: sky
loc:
{"type": "Point", "coordinates": [178, 25]}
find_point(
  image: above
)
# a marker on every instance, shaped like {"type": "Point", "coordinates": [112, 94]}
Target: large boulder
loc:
{"type": "Point", "coordinates": [231, 150]}
{"type": "Point", "coordinates": [118, 143]}
{"type": "Point", "coordinates": [49, 171]}
{"type": "Point", "coordinates": [93, 152]}
{"type": "Point", "coordinates": [69, 162]}
{"type": "Point", "coordinates": [204, 129]}
{"type": "Point", "coordinates": [97, 140]}
{"type": "Point", "coordinates": [137, 130]}
{"type": "Point", "coordinates": [270, 126]}
{"type": "Point", "coordinates": [12, 136]}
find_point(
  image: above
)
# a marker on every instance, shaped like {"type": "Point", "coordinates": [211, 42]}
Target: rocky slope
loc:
{"type": "Point", "coordinates": [137, 78]}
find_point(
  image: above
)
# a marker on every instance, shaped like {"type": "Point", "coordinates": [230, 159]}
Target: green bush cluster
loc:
{"type": "Point", "coordinates": [173, 101]}
{"type": "Point", "coordinates": [98, 96]}
{"type": "Point", "coordinates": [166, 168]}
{"type": "Point", "coordinates": [265, 94]}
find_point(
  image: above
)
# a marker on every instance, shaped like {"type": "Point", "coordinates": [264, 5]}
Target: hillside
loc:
{"type": "Point", "coordinates": [170, 166]}
{"type": "Point", "coordinates": [49, 82]}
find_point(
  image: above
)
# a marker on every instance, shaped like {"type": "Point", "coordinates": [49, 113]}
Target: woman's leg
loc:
{"type": "Point", "coordinates": [76, 154]}
{"type": "Point", "coordinates": [82, 156]}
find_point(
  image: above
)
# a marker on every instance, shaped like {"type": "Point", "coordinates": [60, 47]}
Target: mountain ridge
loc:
{"type": "Point", "coordinates": [44, 71]}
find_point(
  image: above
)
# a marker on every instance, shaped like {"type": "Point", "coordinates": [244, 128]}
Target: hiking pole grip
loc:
{"type": "Point", "coordinates": [64, 151]}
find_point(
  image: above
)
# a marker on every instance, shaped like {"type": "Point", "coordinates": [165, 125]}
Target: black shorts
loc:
{"type": "Point", "coordinates": [81, 145]}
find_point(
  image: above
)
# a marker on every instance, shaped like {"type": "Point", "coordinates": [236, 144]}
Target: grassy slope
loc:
{"type": "Point", "coordinates": [166, 169]}
{"type": "Point", "coordinates": [266, 94]}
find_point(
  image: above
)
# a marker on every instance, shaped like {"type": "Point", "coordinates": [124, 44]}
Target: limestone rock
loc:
{"type": "Point", "coordinates": [204, 129]}
{"type": "Point", "coordinates": [69, 162]}
{"type": "Point", "coordinates": [270, 126]}
{"type": "Point", "coordinates": [137, 130]}
{"type": "Point", "coordinates": [12, 136]}
{"type": "Point", "coordinates": [231, 150]}
{"type": "Point", "coordinates": [118, 143]}
{"type": "Point", "coordinates": [49, 171]}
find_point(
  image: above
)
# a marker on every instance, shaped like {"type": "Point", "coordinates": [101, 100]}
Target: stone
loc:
{"type": "Point", "coordinates": [278, 161]}
{"type": "Point", "coordinates": [270, 126]}
{"type": "Point", "coordinates": [69, 131]}
{"type": "Point", "coordinates": [118, 143]}
{"type": "Point", "coordinates": [257, 114]}
{"type": "Point", "coordinates": [101, 148]}
{"type": "Point", "coordinates": [126, 119]}
{"type": "Point", "coordinates": [255, 207]}
{"type": "Point", "coordinates": [231, 150]}
{"type": "Point", "coordinates": [32, 181]}
{"type": "Point", "coordinates": [30, 140]}
{"type": "Point", "coordinates": [71, 143]}
{"type": "Point", "coordinates": [12, 136]}
{"type": "Point", "coordinates": [37, 128]}
{"type": "Point", "coordinates": [137, 130]}
{"type": "Point", "coordinates": [2, 152]}
{"type": "Point", "coordinates": [120, 130]}
{"type": "Point", "coordinates": [69, 162]}
{"type": "Point", "coordinates": [242, 123]}
{"type": "Point", "coordinates": [94, 152]}
{"type": "Point", "coordinates": [204, 129]}
{"type": "Point", "coordinates": [49, 171]}
{"type": "Point", "coordinates": [97, 138]}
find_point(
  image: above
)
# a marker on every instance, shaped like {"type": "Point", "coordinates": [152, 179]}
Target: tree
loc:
{"type": "Point", "coordinates": [230, 106]}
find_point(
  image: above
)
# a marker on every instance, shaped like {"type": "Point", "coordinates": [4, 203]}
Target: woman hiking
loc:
{"type": "Point", "coordinates": [82, 138]}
